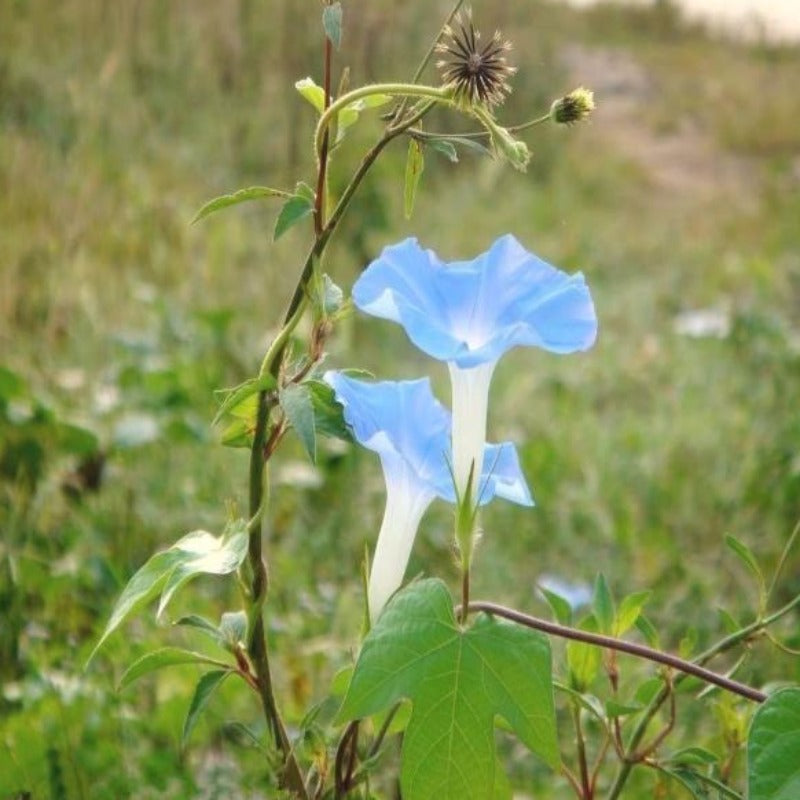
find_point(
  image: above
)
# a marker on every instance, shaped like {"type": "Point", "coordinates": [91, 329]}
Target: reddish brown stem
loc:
{"type": "Point", "coordinates": [624, 647]}
{"type": "Point", "coordinates": [319, 203]}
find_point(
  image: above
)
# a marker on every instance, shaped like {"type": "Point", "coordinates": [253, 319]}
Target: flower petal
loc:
{"type": "Point", "coordinates": [471, 312]}
{"type": "Point", "coordinates": [398, 420]}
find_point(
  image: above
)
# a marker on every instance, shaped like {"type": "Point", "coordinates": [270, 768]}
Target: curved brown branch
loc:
{"type": "Point", "coordinates": [639, 650]}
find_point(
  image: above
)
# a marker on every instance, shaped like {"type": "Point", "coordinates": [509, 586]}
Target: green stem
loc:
{"type": "Point", "coordinates": [393, 89]}
{"type": "Point", "coordinates": [432, 49]}
{"type": "Point", "coordinates": [721, 646]}
{"type": "Point", "coordinates": [586, 786]}
{"type": "Point", "coordinates": [782, 560]}
{"type": "Point", "coordinates": [435, 135]}
{"type": "Point", "coordinates": [257, 646]}
{"type": "Point", "coordinates": [401, 107]}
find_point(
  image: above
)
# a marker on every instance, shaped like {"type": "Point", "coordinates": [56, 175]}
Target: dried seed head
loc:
{"type": "Point", "coordinates": [477, 74]}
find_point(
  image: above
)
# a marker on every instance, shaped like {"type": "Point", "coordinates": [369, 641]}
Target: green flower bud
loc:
{"type": "Point", "coordinates": [573, 107]}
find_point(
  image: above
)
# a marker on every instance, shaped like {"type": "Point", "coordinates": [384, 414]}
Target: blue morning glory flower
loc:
{"type": "Point", "coordinates": [411, 432]}
{"type": "Point", "coordinates": [468, 313]}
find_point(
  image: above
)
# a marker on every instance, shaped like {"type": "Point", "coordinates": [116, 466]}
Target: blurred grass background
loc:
{"type": "Point", "coordinates": [680, 201]}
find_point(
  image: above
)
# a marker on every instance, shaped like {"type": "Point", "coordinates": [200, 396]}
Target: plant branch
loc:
{"type": "Point", "coordinates": [721, 646]}
{"type": "Point", "coordinates": [319, 200]}
{"type": "Point", "coordinates": [393, 89]}
{"type": "Point", "coordinates": [586, 784]}
{"type": "Point", "coordinates": [621, 645]}
{"type": "Point", "coordinates": [434, 135]}
{"type": "Point", "coordinates": [257, 646]}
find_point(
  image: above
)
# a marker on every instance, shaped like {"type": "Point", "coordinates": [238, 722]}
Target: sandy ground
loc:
{"type": "Point", "coordinates": [775, 19]}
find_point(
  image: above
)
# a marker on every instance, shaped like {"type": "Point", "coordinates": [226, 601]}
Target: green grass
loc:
{"type": "Point", "coordinates": [117, 124]}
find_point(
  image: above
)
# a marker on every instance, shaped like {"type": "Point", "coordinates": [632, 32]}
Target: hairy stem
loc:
{"type": "Point", "coordinates": [393, 89]}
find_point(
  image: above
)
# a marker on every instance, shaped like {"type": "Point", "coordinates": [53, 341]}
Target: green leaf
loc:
{"type": "Point", "coordinates": [745, 555]}
{"type": "Point", "coordinates": [457, 681]}
{"type": "Point", "coordinates": [11, 384]}
{"type": "Point", "coordinates": [470, 144]}
{"type": "Point", "coordinates": [205, 688]}
{"type": "Point", "coordinates": [202, 553]}
{"type": "Point", "coordinates": [296, 403]}
{"type": "Point", "coordinates": [328, 413]}
{"type": "Point", "coordinates": [238, 394]}
{"type": "Point", "coordinates": [296, 208]}
{"type": "Point", "coordinates": [583, 659]}
{"type": "Point", "coordinates": [233, 628]}
{"type": "Point", "coordinates": [588, 701]}
{"type": "Point", "coordinates": [446, 147]}
{"type": "Point", "coordinates": [614, 709]}
{"type": "Point", "coordinates": [415, 163]}
{"type": "Point", "coordinates": [194, 554]}
{"type": "Point", "coordinates": [146, 583]}
{"type": "Point", "coordinates": [350, 114]}
{"type": "Point", "coordinates": [332, 23]}
{"type": "Point", "coordinates": [311, 92]}
{"type": "Point", "coordinates": [560, 607]}
{"type": "Point", "coordinates": [341, 680]}
{"type": "Point", "coordinates": [238, 434]}
{"type": "Point", "coordinates": [697, 756]}
{"type": "Point", "coordinates": [729, 622]}
{"type": "Point", "coordinates": [648, 690]}
{"type": "Point", "coordinates": [75, 440]}
{"type": "Point", "coordinates": [628, 612]}
{"type": "Point", "coordinates": [648, 630]}
{"type": "Point", "coordinates": [773, 748]}
{"type": "Point", "coordinates": [165, 657]}
{"type": "Point", "coordinates": [327, 296]}
{"type": "Point", "coordinates": [603, 605]}
{"type": "Point", "coordinates": [242, 196]}
{"type": "Point", "coordinates": [201, 623]}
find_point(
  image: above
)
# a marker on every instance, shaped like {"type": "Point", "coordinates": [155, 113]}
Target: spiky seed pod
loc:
{"type": "Point", "coordinates": [477, 74]}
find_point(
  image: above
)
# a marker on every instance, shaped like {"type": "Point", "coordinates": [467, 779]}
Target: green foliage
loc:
{"type": "Point", "coordinates": [296, 404]}
{"type": "Point", "coordinates": [232, 399]}
{"type": "Point", "coordinates": [204, 691]}
{"type": "Point", "coordinates": [773, 748]}
{"type": "Point", "coordinates": [299, 206]}
{"type": "Point", "coordinates": [102, 279]}
{"type": "Point", "coordinates": [158, 659]}
{"type": "Point", "coordinates": [415, 164]}
{"type": "Point", "coordinates": [583, 660]}
{"type": "Point", "coordinates": [745, 555]}
{"type": "Point", "coordinates": [332, 23]}
{"type": "Point", "coordinates": [197, 553]}
{"type": "Point", "coordinates": [458, 680]}
{"type": "Point", "coordinates": [240, 196]}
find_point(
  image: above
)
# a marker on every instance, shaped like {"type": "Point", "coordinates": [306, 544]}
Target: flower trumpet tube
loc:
{"type": "Point", "coordinates": [468, 313]}
{"type": "Point", "coordinates": [411, 432]}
